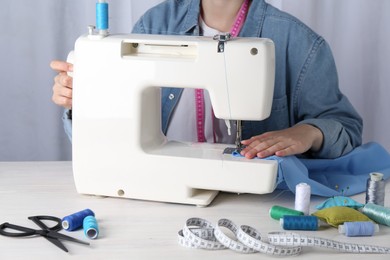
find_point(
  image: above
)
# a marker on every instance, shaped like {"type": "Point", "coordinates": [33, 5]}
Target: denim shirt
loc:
{"type": "Point", "coordinates": [306, 82]}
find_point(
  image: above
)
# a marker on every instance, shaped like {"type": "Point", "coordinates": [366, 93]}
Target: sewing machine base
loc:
{"type": "Point", "coordinates": [177, 172]}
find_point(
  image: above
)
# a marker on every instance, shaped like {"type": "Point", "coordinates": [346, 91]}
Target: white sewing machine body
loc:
{"type": "Point", "coordinates": [119, 149]}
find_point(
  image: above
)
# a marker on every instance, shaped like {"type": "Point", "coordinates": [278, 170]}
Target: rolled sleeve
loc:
{"type": "Point", "coordinates": [336, 140]}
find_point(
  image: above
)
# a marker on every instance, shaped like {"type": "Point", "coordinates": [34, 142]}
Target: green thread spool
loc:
{"type": "Point", "coordinates": [277, 212]}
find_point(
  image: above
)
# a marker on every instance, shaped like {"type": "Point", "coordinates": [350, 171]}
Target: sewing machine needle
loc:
{"type": "Point", "coordinates": [238, 135]}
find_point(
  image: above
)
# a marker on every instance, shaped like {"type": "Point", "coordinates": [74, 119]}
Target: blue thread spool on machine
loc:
{"type": "Point", "coordinates": [102, 17]}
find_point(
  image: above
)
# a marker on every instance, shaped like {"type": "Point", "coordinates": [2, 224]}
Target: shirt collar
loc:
{"type": "Point", "coordinates": [252, 27]}
{"type": "Point", "coordinates": [191, 22]}
{"type": "Point", "coordinates": [255, 19]}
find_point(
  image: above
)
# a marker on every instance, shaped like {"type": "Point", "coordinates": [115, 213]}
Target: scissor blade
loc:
{"type": "Point", "coordinates": [56, 242]}
{"type": "Point", "coordinates": [68, 238]}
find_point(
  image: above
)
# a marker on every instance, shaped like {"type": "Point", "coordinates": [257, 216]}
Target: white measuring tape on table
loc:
{"type": "Point", "coordinates": [200, 233]}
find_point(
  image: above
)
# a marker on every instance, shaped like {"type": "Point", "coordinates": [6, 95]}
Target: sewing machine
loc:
{"type": "Point", "coordinates": [119, 149]}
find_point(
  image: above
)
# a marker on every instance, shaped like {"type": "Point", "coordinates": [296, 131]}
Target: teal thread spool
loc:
{"type": "Point", "coordinates": [377, 213]}
{"type": "Point", "coordinates": [299, 222]}
{"type": "Point", "coordinates": [90, 226]}
{"type": "Point", "coordinates": [277, 212]}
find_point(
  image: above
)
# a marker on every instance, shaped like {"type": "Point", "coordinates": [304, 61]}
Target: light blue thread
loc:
{"type": "Point", "coordinates": [102, 16]}
{"type": "Point", "coordinates": [90, 226]}
{"type": "Point", "coordinates": [361, 228]}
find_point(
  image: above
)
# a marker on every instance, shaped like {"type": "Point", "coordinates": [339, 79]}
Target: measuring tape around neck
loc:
{"type": "Point", "coordinates": [200, 233]}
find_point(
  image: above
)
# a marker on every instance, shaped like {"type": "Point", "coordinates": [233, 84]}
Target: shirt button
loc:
{"type": "Point", "coordinates": [171, 96]}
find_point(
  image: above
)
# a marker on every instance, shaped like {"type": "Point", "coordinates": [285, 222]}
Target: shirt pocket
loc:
{"type": "Point", "coordinates": [279, 118]}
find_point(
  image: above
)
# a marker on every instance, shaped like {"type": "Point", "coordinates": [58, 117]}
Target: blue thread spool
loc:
{"type": "Point", "coordinates": [299, 222]}
{"type": "Point", "coordinates": [359, 228]}
{"type": "Point", "coordinates": [75, 221]}
{"type": "Point", "coordinates": [102, 16]}
{"type": "Point", "coordinates": [90, 226]}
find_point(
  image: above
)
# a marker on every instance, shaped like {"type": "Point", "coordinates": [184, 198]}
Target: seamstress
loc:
{"type": "Point", "coordinates": [309, 113]}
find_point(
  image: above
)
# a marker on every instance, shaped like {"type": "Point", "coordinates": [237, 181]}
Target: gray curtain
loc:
{"type": "Point", "coordinates": [359, 33]}
{"type": "Point", "coordinates": [36, 32]}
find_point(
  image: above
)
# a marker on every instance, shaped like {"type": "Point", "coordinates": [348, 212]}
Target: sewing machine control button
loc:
{"type": "Point", "coordinates": [254, 51]}
{"type": "Point", "coordinates": [171, 96]}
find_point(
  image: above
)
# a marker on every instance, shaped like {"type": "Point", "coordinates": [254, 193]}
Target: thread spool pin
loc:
{"type": "Point", "coordinates": [91, 29]}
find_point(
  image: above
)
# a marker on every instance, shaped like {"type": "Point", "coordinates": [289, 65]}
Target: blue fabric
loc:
{"type": "Point", "coordinates": [346, 175]}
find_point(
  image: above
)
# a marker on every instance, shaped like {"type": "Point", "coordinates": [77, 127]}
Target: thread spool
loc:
{"type": "Point", "coordinates": [375, 192]}
{"type": "Point", "coordinates": [300, 223]}
{"type": "Point", "coordinates": [359, 228]}
{"type": "Point", "coordinates": [102, 17]}
{"type": "Point", "coordinates": [302, 198]}
{"type": "Point", "coordinates": [90, 226]}
{"type": "Point", "coordinates": [277, 212]}
{"type": "Point", "coordinates": [377, 213]}
{"type": "Point", "coordinates": [75, 221]}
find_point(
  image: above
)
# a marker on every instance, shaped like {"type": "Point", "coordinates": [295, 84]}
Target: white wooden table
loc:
{"type": "Point", "coordinates": [134, 229]}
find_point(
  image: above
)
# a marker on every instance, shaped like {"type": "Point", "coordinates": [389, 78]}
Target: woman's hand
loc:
{"type": "Point", "coordinates": [63, 84]}
{"type": "Point", "coordinates": [294, 140]}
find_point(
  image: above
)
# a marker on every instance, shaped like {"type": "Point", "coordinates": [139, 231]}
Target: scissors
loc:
{"type": "Point", "coordinates": [50, 233]}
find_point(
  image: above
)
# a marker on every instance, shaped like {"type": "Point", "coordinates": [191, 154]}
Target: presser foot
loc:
{"type": "Point", "coordinates": [231, 150]}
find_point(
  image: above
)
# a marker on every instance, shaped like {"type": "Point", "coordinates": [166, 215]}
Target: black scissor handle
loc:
{"type": "Point", "coordinates": [38, 221]}
{"type": "Point", "coordinates": [24, 231]}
